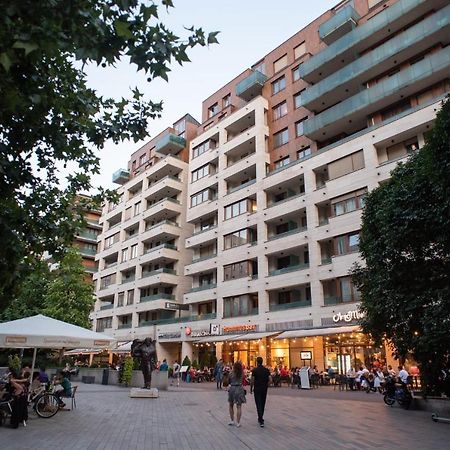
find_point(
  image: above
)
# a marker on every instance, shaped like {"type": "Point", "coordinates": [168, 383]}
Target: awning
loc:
{"type": "Point", "coordinates": [318, 332]}
{"type": "Point", "coordinates": [221, 338]}
{"type": "Point", "coordinates": [82, 351]}
{"type": "Point", "coordinates": [124, 347]}
{"type": "Point", "coordinates": [254, 336]}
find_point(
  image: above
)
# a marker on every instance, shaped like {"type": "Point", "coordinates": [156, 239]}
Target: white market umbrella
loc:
{"type": "Point", "coordinates": [44, 332]}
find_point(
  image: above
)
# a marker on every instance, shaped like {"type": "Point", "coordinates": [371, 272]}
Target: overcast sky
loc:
{"type": "Point", "coordinates": [249, 29]}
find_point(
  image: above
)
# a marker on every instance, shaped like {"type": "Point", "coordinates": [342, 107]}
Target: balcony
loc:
{"type": "Point", "coordinates": [346, 49]}
{"type": "Point", "coordinates": [204, 258]}
{"type": "Point", "coordinates": [251, 86]}
{"type": "Point", "coordinates": [121, 176]}
{"type": "Point", "coordinates": [288, 269]}
{"type": "Point", "coordinates": [104, 307]}
{"type": "Point", "coordinates": [241, 186]}
{"type": "Point", "coordinates": [347, 81]}
{"type": "Point", "coordinates": [86, 251]}
{"type": "Point", "coordinates": [287, 233]}
{"type": "Point", "coordinates": [177, 320]}
{"type": "Point", "coordinates": [350, 115]}
{"type": "Point", "coordinates": [162, 296]}
{"type": "Point", "coordinates": [88, 236]}
{"type": "Point", "coordinates": [171, 144]}
{"type": "Point", "coordinates": [341, 23]}
{"type": "Point", "coordinates": [284, 306]}
{"type": "Point", "coordinates": [123, 326]}
{"type": "Point", "coordinates": [203, 287]}
{"type": "Point", "coordinates": [161, 246]}
{"type": "Point", "coordinates": [157, 272]}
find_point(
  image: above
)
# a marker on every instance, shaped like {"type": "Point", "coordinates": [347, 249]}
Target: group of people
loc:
{"type": "Point", "coordinates": [21, 386]}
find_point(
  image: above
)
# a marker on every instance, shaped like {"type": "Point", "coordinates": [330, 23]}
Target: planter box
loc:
{"type": "Point", "coordinates": [159, 380]}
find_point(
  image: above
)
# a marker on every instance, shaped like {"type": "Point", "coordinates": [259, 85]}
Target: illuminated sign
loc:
{"type": "Point", "coordinates": [234, 328]}
{"type": "Point", "coordinates": [304, 356]}
{"type": "Point", "coordinates": [348, 316]}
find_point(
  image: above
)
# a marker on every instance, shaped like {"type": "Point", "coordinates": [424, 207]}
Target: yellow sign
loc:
{"type": "Point", "coordinates": [233, 328]}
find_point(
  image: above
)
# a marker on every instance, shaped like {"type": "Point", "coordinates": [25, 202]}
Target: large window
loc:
{"type": "Point", "coordinates": [239, 238]}
{"type": "Point", "coordinates": [348, 202]}
{"type": "Point", "coordinates": [304, 153]}
{"type": "Point", "coordinates": [300, 50]}
{"type": "Point", "coordinates": [102, 324]}
{"type": "Point", "coordinates": [241, 305]}
{"type": "Point", "coordinates": [201, 172]}
{"type": "Point", "coordinates": [107, 281]}
{"type": "Point", "coordinates": [280, 138]}
{"type": "Point", "coordinates": [296, 73]}
{"type": "Point", "coordinates": [280, 63]}
{"type": "Point", "coordinates": [278, 85]}
{"type": "Point", "coordinates": [279, 111]}
{"type": "Point", "coordinates": [299, 127]}
{"type": "Point", "coordinates": [241, 207]}
{"type": "Point", "coordinates": [111, 240]}
{"type": "Point", "coordinates": [298, 99]}
{"type": "Point", "coordinates": [282, 162]}
{"type": "Point", "coordinates": [200, 197]}
{"type": "Point", "coordinates": [346, 165]}
{"type": "Point", "coordinates": [134, 251]}
{"type": "Point", "coordinates": [213, 110]}
{"type": "Point", "coordinates": [348, 291]}
{"type": "Point", "coordinates": [203, 147]}
{"type": "Point", "coordinates": [347, 243]}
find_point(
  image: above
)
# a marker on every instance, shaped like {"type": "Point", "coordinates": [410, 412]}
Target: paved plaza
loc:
{"type": "Point", "coordinates": [196, 417]}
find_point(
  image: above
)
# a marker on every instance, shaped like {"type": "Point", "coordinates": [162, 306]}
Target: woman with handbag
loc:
{"type": "Point", "coordinates": [236, 394]}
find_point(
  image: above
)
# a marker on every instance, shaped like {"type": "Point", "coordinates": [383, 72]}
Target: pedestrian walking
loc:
{"type": "Point", "coordinates": [236, 394]}
{"type": "Point", "coordinates": [259, 386]}
{"type": "Point", "coordinates": [176, 373]}
{"type": "Point", "coordinates": [218, 373]}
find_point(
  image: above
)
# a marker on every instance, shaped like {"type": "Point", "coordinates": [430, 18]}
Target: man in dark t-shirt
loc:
{"type": "Point", "coordinates": [259, 385]}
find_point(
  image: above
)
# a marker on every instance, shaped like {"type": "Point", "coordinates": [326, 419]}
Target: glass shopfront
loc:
{"type": "Point", "coordinates": [287, 352]}
{"type": "Point", "coordinates": [244, 351]}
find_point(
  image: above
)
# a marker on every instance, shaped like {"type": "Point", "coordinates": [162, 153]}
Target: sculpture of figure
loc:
{"type": "Point", "coordinates": [145, 351]}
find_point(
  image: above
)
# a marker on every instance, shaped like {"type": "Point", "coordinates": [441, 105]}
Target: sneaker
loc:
{"type": "Point", "coordinates": [261, 425]}
{"type": "Point", "coordinates": [238, 425]}
{"type": "Point", "coordinates": [231, 423]}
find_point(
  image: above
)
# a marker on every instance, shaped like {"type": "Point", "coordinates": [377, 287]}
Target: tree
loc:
{"type": "Point", "coordinates": [405, 242]}
{"type": "Point", "coordinates": [69, 296]}
{"type": "Point", "coordinates": [50, 118]}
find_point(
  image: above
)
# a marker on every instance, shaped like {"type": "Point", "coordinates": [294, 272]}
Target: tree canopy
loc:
{"type": "Point", "coordinates": [50, 118]}
{"type": "Point", "coordinates": [405, 242]}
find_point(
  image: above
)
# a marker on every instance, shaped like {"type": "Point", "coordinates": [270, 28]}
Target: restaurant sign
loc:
{"type": "Point", "coordinates": [349, 316]}
{"type": "Point", "coordinates": [239, 328]}
{"type": "Point", "coordinates": [170, 335]}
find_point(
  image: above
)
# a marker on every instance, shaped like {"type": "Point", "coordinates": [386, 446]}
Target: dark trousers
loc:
{"type": "Point", "coordinates": [219, 380]}
{"type": "Point", "coordinates": [260, 401]}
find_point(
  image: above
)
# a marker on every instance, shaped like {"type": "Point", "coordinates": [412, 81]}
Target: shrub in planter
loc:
{"type": "Point", "coordinates": [126, 371]}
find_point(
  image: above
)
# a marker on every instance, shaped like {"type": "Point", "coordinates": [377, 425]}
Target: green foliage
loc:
{"type": "Point", "coordinates": [405, 241]}
{"type": "Point", "coordinates": [50, 118]}
{"type": "Point", "coordinates": [195, 364]}
{"type": "Point", "coordinates": [14, 362]}
{"type": "Point", "coordinates": [63, 294]}
{"type": "Point", "coordinates": [127, 373]}
{"type": "Point", "coordinates": [186, 361]}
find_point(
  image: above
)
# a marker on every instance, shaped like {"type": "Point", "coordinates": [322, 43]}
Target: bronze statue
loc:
{"type": "Point", "coordinates": [145, 351]}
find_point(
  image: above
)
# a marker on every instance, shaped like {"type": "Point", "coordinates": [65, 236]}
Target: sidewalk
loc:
{"type": "Point", "coordinates": [196, 418]}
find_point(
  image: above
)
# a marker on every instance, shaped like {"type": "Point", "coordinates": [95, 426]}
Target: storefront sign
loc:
{"type": "Point", "coordinates": [348, 317]}
{"type": "Point", "coordinates": [188, 331]}
{"type": "Point", "coordinates": [200, 333]}
{"type": "Point", "coordinates": [177, 306]}
{"type": "Point", "coordinates": [170, 335]}
{"type": "Point", "coordinates": [234, 328]}
{"type": "Point", "coordinates": [214, 329]}
{"type": "Point", "coordinates": [305, 356]}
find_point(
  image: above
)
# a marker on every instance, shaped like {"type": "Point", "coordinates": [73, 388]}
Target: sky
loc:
{"type": "Point", "coordinates": [249, 29]}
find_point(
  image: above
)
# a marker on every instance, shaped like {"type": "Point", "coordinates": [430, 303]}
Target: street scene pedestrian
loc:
{"type": "Point", "coordinates": [259, 386]}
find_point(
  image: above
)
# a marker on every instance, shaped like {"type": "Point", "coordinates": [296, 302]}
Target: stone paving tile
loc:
{"type": "Point", "coordinates": [190, 417]}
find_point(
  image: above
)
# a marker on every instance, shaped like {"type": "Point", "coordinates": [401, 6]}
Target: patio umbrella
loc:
{"type": "Point", "coordinates": [44, 332]}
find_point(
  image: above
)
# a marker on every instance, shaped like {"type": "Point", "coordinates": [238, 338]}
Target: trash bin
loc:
{"type": "Point", "coordinates": [105, 376]}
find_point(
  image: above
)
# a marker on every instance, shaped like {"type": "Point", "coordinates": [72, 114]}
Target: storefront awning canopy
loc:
{"type": "Point", "coordinates": [222, 338]}
{"type": "Point", "coordinates": [124, 347]}
{"type": "Point", "coordinates": [318, 332]}
{"type": "Point", "coordinates": [253, 336]}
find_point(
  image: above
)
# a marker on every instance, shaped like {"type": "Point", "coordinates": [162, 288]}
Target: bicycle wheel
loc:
{"type": "Point", "coordinates": [46, 405]}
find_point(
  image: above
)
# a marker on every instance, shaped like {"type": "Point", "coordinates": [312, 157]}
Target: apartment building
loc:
{"type": "Point", "coordinates": [276, 178]}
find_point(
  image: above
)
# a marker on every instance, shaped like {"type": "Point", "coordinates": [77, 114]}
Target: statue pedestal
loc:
{"type": "Point", "coordinates": [144, 393]}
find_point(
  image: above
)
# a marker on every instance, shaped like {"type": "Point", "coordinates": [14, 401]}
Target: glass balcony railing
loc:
{"type": "Point", "coordinates": [203, 258]}
{"type": "Point", "coordinates": [212, 227]}
{"type": "Point", "coordinates": [158, 271]}
{"type": "Point", "coordinates": [288, 197]}
{"type": "Point", "coordinates": [203, 287]}
{"type": "Point", "coordinates": [361, 37]}
{"type": "Point", "coordinates": [296, 304]}
{"type": "Point", "coordinates": [251, 86]}
{"type": "Point", "coordinates": [121, 176]}
{"type": "Point", "coordinates": [123, 326]}
{"type": "Point", "coordinates": [241, 186]}
{"type": "Point", "coordinates": [87, 235]}
{"type": "Point", "coordinates": [128, 279]}
{"type": "Point", "coordinates": [162, 296]}
{"type": "Point", "coordinates": [170, 144]}
{"type": "Point", "coordinates": [104, 307]}
{"type": "Point", "coordinates": [159, 247]}
{"type": "Point", "coordinates": [88, 251]}
{"type": "Point", "coordinates": [287, 233]}
{"type": "Point", "coordinates": [163, 222]}
{"type": "Point", "coordinates": [177, 320]}
{"type": "Point", "coordinates": [341, 23]}
{"type": "Point", "coordinates": [337, 82]}
{"type": "Point", "coordinates": [288, 269]}
{"type": "Point", "coordinates": [370, 100]}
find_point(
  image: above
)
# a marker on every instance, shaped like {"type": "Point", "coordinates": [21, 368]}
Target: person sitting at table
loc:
{"type": "Point", "coordinates": [66, 390]}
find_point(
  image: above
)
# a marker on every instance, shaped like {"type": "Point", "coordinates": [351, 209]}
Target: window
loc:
{"type": "Point", "coordinates": [102, 324]}
{"type": "Point", "coordinates": [348, 291]}
{"type": "Point", "coordinates": [260, 67]}
{"type": "Point", "coordinates": [299, 127]}
{"type": "Point", "coordinates": [279, 111]}
{"type": "Point", "coordinates": [201, 172]}
{"type": "Point", "coordinates": [200, 197]}
{"type": "Point", "coordinates": [241, 207]}
{"type": "Point", "coordinates": [280, 138]}
{"type": "Point", "coordinates": [296, 73]}
{"type": "Point", "coordinates": [349, 202]}
{"type": "Point", "coordinates": [107, 281]}
{"type": "Point", "coordinates": [203, 147]}
{"type": "Point", "coordinates": [111, 240]}
{"type": "Point", "coordinates": [124, 255]}
{"type": "Point", "coordinates": [213, 110]}
{"type": "Point", "coordinates": [282, 162]}
{"type": "Point", "coordinates": [278, 85]}
{"type": "Point", "coordinates": [120, 299]}
{"type": "Point", "coordinates": [205, 308]}
{"type": "Point", "coordinates": [241, 305]}
{"type": "Point", "coordinates": [300, 50]}
{"type": "Point", "coordinates": [142, 159]}
{"type": "Point", "coordinates": [137, 208]}
{"type": "Point", "coordinates": [280, 63]}
{"type": "Point", "coordinates": [180, 127]}
{"type": "Point", "coordinates": [346, 165]}
{"type": "Point", "coordinates": [226, 101]}
{"type": "Point", "coordinates": [207, 224]}
{"type": "Point", "coordinates": [134, 251]}
{"type": "Point", "coordinates": [130, 297]}
{"type": "Point", "coordinates": [206, 280]}
{"type": "Point", "coordinates": [304, 153]}
{"type": "Point", "coordinates": [298, 99]}
{"type": "Point", "coordinates": [238, 238]}
{"type": "Point", "coordinates": [347, 243]}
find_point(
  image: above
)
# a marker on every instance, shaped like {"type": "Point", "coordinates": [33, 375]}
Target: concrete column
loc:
{"type": "Point", "coordinates": [187, 350]}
